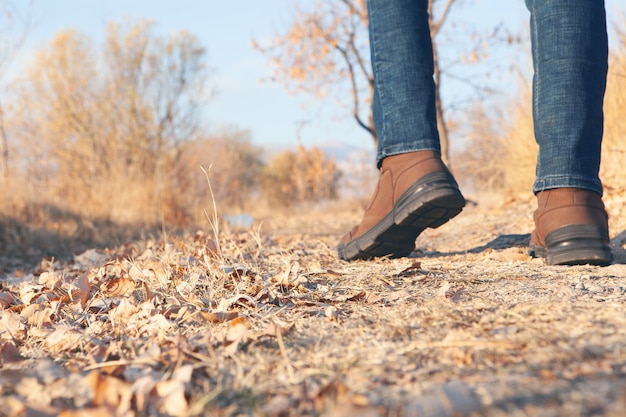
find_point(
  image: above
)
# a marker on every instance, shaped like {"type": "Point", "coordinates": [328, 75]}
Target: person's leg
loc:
{"type": "Point", "coordinates": [570, 59]}
{"type": "Point", "coordinates": [404, 90]}
{"type": "Point", "coordinates": [415, 189]}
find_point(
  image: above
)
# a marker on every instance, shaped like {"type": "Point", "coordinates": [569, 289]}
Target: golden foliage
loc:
{"type": "Point", "coordinates": [518, 146]}
{"type": "Point", "coordinates": [102, 124]}
{"type": "Point", "coordinates": [481, 164]}
{"type": "Point", "coordinates": [309, 55]}
{"type": "Point", "coordinates": [325, 50]}
{"type": "Point", "coordinates": [612, 170]}
{"type": "Point", "coordinates": [234, 165]}
{"type": "Point", "coordinates": [305, 175]}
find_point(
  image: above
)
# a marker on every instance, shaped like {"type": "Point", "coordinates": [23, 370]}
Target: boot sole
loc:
{"type": "Point", "coordinates": [430, 202]}
{"type": "Point", "coordinates": [579, 244]}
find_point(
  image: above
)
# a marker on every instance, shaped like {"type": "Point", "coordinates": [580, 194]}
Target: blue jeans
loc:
{"type": "Point", "coordinates": [570, 59]}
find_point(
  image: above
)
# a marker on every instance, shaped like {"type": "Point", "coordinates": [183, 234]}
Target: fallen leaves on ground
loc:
{"type": "Point", "coordinates": [276, 325]}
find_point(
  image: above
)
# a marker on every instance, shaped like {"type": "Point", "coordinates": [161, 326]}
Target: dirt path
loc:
{"type": "Point", "coordinates": [268, 322]}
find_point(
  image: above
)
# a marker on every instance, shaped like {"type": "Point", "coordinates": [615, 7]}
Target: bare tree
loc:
{"type": "Point", "coordinates": [436, 23]}
{"type": "Point", "coordinates": [14, 25]}
{"type": "Point", "coordinates": [325, 47]}
{"type": "Point", "coordinates": [326, 50]}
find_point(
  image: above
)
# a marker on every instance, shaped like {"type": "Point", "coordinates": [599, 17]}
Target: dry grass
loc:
{"type": "Point", "coordinates": [273, 324]}
{"type": "Point", "coordinates": [501, 152]}
{"type": "Point", "coordinates": [614, 146]}
{"type": "Point", "coordinates": [33, 226]}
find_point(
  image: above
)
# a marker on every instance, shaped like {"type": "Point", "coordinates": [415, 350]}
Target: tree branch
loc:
{"type": "Point", "coordinates": [435, 26]}
{"type": "Point", "coordinates": [355, 93]}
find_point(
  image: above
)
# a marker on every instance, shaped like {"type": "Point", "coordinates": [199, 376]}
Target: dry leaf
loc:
{"type": "Point", "coordinates": [149, 294]}
{"type": "Point", "coordinates": [218, 317]}
{"type": "Point", "coordinates": [335, 391]}
{"type": "Point", "coordinates": [108, 391]}
{"type": "Point", "coordinates": [331, 313]}
{"type": "Point", "coordinates": [37, 315]}
{"type": "Point", "coordinates": [11, 406]}
{"type": "Point", "coordinates": [547, 374]}
{"type": "Point", "coordinates": [172, 400]}
{"type": "Point", "coordinates": [50, 280]}
{"type": "Point", "coordinates": [48, 371]}
{"type": "Point", "coordinates": [373, 297]}
{"type": "Point", "coordinates": [90, 259]}
{"type": "Point", "coordinates": [274, 328]}
{"type": "Point", "coordinates": [284, 279]}
{"type": "Point", "coordinates": [349, 409]}
{"type": "Point", "coordinates": [226, 303]}
{"type": "Point", "coordinates": [451, 399]}
{"type": "Point", "coordinates": [154, 272]}
{"type": "Point", "coordinates": [136, 274]}
{"type": "Point", "coordinates": [455, 294]}
{"type": "Point", "coordinates": [187, 290]}
{"type": "Point", "coordinates": [63, 337]}
{"type": "Point", "coordinates": [124, 310]}
{"type": "Point", "coordinates": [33, 391]}
{"type": "Point", "coordinates": [30, 291]}
{"type": "Point", "coordinates": [399, 295]}
{"type": "Point", "coordinates": [211, 247]}
{"type": "Point", "coordinates": [277, 406]}
{"type": "Point", "coordinates": [237, 331]}
{"type": "Point", "coordinates": [237, 271]}
{"type": "Point", "coordinates": [141, 389]}
{"type": "Point", "coordinates": [180, 312]}
{"type": "Point", "coordinates": [443, 289]}
{"type": "Point", "coordinates": [9, 353]}
{"type": "Point", "coordinates": [80, 290]}
{"type": "Point", "coordinates": [6, 299]}
{"type": "Point", "coordinates": [117, 287]}
{"type": "Point", "coordinates": [156, 326]}
{"type": "Point", "coordinates": [342, 298]}
{"type": "Point", "coordinates": [414, 267]}
{"type": "Point", "coordinates": [361, 295]}
{"type": "Point", "coordinates": [11, 326]}
{"type": "Point", "coordinates": [99, 306]}
{"type": "Point", "coordinates": [172, 392]}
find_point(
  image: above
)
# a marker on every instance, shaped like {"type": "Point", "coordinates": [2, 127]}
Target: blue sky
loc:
{"type": "Point", "coordinates": [226, 29]}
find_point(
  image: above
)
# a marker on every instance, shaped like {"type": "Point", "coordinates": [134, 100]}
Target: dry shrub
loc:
{"type": "Point", "coordinates": [501, 153]}
{"type": "Point", "coordinates": [234, 167]}
{"type": "Point", "coordinates": [519, 147]}
{"type": "Point", "coordinates": [614, 144]}
{"type": "Point", "coordinates": [42, 218]}
{"type": "Point", "coordinates": [303, 175]}
{"type": "Point", "coordinates": [97, 130]}
{"type": "Point", "coordinates": [33, 226]}
{"type": "Point", "coordinates": [359, 175]}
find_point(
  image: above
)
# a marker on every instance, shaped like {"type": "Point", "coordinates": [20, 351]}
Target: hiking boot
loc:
{"type": "Point", "coordinates": [415, 191]}
{"type": "Point", "coordinates": [571, 228]}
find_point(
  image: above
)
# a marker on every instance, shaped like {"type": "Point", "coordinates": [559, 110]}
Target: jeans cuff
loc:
{"type": "Point", "coordinates": [549, 183]}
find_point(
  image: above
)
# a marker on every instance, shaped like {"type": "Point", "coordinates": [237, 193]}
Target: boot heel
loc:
{"type": "Point", "coordinates": [578, 244]}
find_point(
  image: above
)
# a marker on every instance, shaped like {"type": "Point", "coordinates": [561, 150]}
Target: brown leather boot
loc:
{"type": "Point", "coordinates": [571, 228]}
{"type": "Point", "coordinates": [415, 191]}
